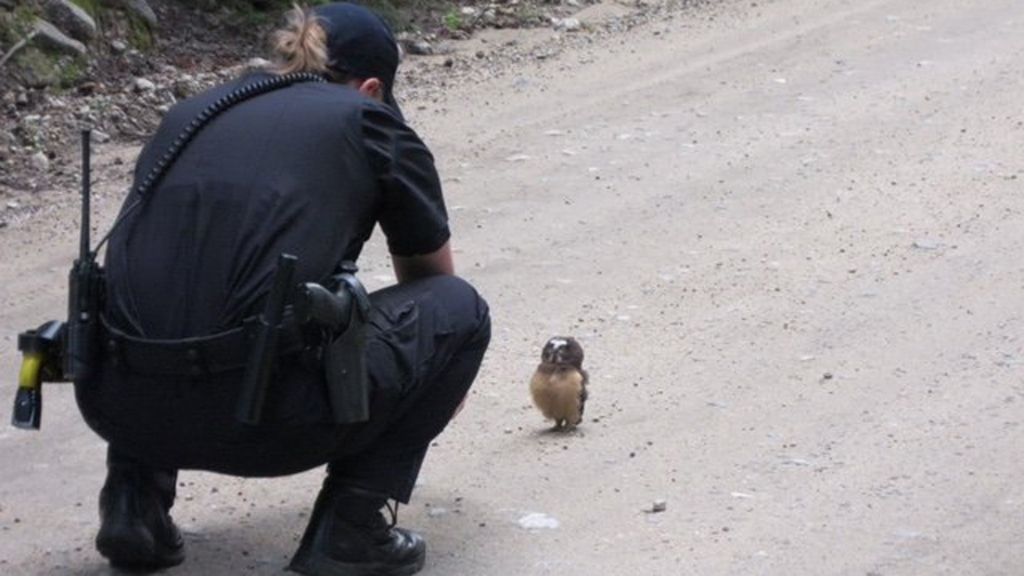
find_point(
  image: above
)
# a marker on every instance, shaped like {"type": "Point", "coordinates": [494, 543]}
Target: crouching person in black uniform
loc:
{"type": "Point", "coordinates": [308, 169]}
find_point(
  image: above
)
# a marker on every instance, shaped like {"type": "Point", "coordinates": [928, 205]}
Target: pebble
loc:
{"type": "Point", "coordinates": [420, 47]}
{"type": "Point", "coordinates": [185, 87]}
{"type": "Point", "coordinates": [567, 24]}
{"type": "Point", "coordinates": [659, 506]}
{"type": "Point", "coordinates": [538, 521]}
{"type": "Point", "coordinates": [258, 63]}
{"type": "Point", "coordinates": [143, 85]}
{"type": "Point", "coordinates": [40, 162]}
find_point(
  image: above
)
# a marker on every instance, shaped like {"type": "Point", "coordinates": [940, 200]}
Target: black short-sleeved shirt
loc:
{"type": "Point", "coordinates": [307, 170]}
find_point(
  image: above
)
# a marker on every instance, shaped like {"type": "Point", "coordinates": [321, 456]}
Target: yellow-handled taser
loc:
{"type": "Point", "coordinates": [41, 361]}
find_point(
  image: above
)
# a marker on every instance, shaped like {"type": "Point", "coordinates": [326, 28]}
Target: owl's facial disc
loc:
{"type": "Point", "coordinates": [554, 350]}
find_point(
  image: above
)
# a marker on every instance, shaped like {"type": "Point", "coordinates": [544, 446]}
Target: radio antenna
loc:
{"type": "Point", "coordinates": [83, 247]}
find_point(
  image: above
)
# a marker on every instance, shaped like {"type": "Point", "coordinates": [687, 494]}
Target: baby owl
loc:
{"type": "Point", "coordinates": [559, 385]}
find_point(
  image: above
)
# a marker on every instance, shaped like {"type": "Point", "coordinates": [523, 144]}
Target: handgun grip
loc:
{"type": "Point", "coordinates": [314, 303]}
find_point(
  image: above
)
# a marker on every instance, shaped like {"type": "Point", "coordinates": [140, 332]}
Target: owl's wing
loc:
{"type": "Point", "coordinates": [584, 378]}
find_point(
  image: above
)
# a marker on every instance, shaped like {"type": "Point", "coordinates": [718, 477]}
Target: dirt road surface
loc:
{"type": "Point", "coordinates": [789, 236]}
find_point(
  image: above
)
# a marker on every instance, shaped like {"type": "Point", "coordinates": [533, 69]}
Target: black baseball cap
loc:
{"type": "Point", "coordinates": [360, 43]}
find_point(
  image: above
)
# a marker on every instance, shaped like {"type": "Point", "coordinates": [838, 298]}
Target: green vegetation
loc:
{"type": "Point", "coordinates": [38, 67]}
{"type": "Point", "coordinates": [139, 33]}
{"type": "Point", "coordinates": [452, 20]}
{"type": "Point", "coordinates": [69, 73]}
{"type": "Point", "coordinates": [15, 26]}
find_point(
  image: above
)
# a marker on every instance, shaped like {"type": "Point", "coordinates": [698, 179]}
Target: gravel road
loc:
{"type": "Point", "coordinates": [789, 235]}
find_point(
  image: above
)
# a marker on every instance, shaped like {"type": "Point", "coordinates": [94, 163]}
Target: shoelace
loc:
{"type": "Point", "coordinates": [393, 510]}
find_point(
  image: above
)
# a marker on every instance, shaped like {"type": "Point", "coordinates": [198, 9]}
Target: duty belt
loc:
{"type": "Point", "coordinates": [198, 356]}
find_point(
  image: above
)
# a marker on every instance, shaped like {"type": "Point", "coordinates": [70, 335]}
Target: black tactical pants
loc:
{"type": "Point", "coordinates": [425, 344]}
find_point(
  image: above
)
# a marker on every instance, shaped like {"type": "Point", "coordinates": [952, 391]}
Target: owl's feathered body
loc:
{"type": "Point", "coordinates": [559, 385]}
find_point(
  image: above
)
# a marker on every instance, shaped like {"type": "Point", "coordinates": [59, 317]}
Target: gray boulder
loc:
{"type": "Point", "coordinates": [48, 37]}
{"type": "Point", "coordinates": [71, 19]}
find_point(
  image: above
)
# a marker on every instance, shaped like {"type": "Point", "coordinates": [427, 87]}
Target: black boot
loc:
{"type": "Point", "coordinates": [348, 536]}
{"type": "Point", "coordinates": [136, 531]}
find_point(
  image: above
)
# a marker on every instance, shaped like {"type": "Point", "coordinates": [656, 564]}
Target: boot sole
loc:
{"type": "Point", "coordinates": [133, 549]}
{"type": "Point", "coordinates": [313, 564]}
